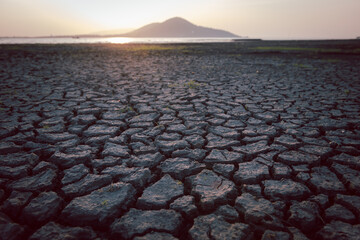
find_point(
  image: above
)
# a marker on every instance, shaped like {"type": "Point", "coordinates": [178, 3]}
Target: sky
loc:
{"type": "Point", "coordinates": [267, 19]}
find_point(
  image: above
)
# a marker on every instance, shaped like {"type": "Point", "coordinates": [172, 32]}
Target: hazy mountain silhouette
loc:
{"type": "Point", "coordinates": [177, 27]}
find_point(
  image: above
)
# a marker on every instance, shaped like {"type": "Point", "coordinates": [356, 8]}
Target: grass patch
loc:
{"type": "Point", "coordinates": [192, 84]}
{"type": "Point", "coordinates": [306, 49]}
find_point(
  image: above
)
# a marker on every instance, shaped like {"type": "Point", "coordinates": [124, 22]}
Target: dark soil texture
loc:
{"type": "Point", "coordinates": [241, 140]}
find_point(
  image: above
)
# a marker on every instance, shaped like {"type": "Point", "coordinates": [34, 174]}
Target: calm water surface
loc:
{"type": "Point", "coordinates": [118, 40]}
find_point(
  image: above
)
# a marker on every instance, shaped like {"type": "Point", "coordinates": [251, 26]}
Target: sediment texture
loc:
{"type": "Point", "coordinates": [212, 141]}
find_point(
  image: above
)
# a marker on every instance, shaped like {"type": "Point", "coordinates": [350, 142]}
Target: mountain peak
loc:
{"type": "Point", "coordinates": [178, 27]}
{"type": "Point", "coordinates": [177, 20]}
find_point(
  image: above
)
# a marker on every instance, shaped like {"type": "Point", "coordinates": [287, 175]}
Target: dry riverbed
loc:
{"type": "Point", "coordinates": [245, 140]}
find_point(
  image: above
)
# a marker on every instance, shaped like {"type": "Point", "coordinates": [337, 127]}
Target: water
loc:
{"type": "Point", "coordinates": [115, 40]}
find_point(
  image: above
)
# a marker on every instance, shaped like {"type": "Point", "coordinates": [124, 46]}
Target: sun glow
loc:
{"type": "Point", "coordinates": [120, 40]}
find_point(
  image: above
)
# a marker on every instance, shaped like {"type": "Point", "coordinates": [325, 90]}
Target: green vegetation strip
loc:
{"type": "Point", "coordinates": [328, 50]}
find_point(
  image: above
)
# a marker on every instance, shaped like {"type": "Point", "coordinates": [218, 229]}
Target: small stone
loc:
{"type": "Point", "coordinates": [137, 222]}
{"type": "Point", "coordinates": [54, 231]}
{"type": "Point", "coordinates": [160, 194]}
{"type": "Point", "coordinates": [100, 207]}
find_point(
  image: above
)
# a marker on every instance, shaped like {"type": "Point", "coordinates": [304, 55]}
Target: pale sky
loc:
{"type": "Point", "coordinates": [267, 19]}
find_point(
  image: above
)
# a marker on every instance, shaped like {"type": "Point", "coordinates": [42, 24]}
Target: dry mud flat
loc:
{"type": "Point", "coordinates": [255, 140]}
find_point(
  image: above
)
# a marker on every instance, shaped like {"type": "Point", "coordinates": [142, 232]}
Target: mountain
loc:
{"type": "Point", "coordinates": [179, 28]}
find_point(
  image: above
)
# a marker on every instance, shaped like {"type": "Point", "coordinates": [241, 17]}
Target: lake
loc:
{"type": "Point", "coordinates": [115, 40]}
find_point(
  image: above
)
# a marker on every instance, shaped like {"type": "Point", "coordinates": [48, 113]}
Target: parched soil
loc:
{"type": "Point", "coordinates": [242, 140]}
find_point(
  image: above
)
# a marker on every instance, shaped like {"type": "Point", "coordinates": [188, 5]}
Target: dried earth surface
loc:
{"type": "Point", "coordinates": [242, 140]}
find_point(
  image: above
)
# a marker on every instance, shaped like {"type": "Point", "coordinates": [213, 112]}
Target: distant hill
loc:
{"type": "Point", "coordinates": [177, 27]}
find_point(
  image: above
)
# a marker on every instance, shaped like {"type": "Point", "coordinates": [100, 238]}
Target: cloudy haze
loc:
{"type": "Point", "coordinates": [268, 19]}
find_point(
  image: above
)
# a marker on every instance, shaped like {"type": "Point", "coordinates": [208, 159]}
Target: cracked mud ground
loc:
{"type": "Point", "coordinates": [211, 141]}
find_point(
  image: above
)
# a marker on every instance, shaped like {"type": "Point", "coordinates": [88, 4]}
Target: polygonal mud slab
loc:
{"type": "Point", "coordinates": [325, 181]}
{"type": "Point", "coordinates": [254, 209]}
{"type": "Point", "coordinates": [270, 235]}
{"type": "Point", "coordinates": [137, 222]}
{"type": "Point", "coordinates": [186, 205]}
{"type": "Point", "coordinates": [179, 168]}
{"type": "Point", "coordinates": [40, 182]}
{"type": "Point", "coordinates": [160, 194]}
{"type": "Point", "coordinates": [285, 189]}
{"type": "Point", "coordinates": [340, 213]}
{"type": "Point", "coordinates": [337, 230]}
{"type": "Point", "coordinates": [67, 160]}
{"type": "Point", "coordinates": [251, 172]}
{"type": "Point", "coordinates": [100, 207]}
{"type": "Point", "coordinates": [156, 236]}
{"type": "Point", "coordinates": [298, 158]}
{"type": "Point", "coordinates": [86, 185]}
{"type": "Point", "coordinates": [10, 230]}
{"type": "Point", "coordinates": [223, 156]}
{"type": "Point", "coordinates": [54, 231]}
{"type": "Point", "coordinates": [253, 148]}
{"type": "Point", "coordinates": [211, 189]}
{"type": "Point", "coordinates": [42, 208]}
{"type": "Point", "coordinates": [97, 130]}
{"type": "Point", "coordinates": [215, 227]}
{"type": "Point", "coordinates": [304, 215]}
